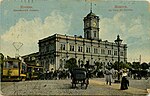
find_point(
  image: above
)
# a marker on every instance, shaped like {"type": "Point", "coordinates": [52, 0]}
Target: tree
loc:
{"type": "Point", "coordinates": [128, 65]}
{"type": "Point", "coordinates": [1, 63]}
{"type": "Point", "coordinates": [99, 65]}
{"type": "Point", "coordinates": [144, 66]}
{"type": "Point", "coordinates": [71, 63]}
{"type": "Point", "coordinates": [122, 65]}
{"type": "Point", "coordinates": [115, 65]}
{"type": "Point", "coordinates": [136, 65]}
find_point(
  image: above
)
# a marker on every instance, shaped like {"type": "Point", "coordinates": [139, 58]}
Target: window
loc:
{"type": "Point", "coordinates": [94, 33]}
{"type": "Point", "coordinates": [102, 51]}
{"type": "Point", "coordinates": [47, 48]}
{"type": "Point", "coordinates": [121, 54]}
{"type": "Point", "coordinates": [109, 52]}
{"type": "Point", "coordinates": [62, 47]}
{"type": "Point", "coordinates": [79, 48]}
{"type": "Point", "coordinates": [88, 49]}
{"type": "Point", "coordinates": [11, 64]}
{"type": "Point", "coordinates": [115, 52]}
{"type": "Point", "coordinates": [71, 47]}
{"type": "Point", "coordinates": [88, 34]}
{"type": "Point", "coordinates": [95, 50]}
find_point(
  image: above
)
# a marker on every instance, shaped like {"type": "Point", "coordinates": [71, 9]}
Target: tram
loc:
{"type": "Point", "coordinates": [34, 72]}
{"type": "Point", "coordinates": [13, 69]}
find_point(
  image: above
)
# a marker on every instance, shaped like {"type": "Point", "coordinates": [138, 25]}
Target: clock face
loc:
{"type": "Point", "coordinates": [94, 24]}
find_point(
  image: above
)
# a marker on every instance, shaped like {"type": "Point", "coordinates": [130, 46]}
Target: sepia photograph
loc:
{"type": "Point", "coordinates": [75, 47]}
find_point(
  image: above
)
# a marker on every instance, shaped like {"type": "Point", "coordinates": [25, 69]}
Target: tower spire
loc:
{"type": "Point", "coordinates": [91, 8]}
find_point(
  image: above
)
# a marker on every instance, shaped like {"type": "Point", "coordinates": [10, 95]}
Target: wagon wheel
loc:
{"type": "Point", "coordinates": [82, 83]}
{"type": "Point", "coordinates": [73, 83]}
{"type": "Point", "coordinates": [87, 83]}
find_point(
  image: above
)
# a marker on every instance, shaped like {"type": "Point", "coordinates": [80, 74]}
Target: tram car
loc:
{"type": "Point", "coordinates": [13, 69]}
{"type": "Point", "coordinates": [34, 72]}
{"type": "Point", "coordinates": [79, 76]}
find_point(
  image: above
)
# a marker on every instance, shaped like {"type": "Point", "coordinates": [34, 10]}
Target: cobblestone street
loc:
{"type": "Point", "coordinates": [63, 87]}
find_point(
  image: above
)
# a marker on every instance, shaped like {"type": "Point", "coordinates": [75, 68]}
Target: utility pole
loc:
{"type": "Point", "coordinates": [17, 46]}
{"type": "Point", "coordinates": [140, 59]}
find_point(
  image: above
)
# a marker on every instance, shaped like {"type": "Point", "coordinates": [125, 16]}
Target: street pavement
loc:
{"type": "Point", "coordinates": [137, 87]}
{"type": "Point", "coordinates": [97, 86]}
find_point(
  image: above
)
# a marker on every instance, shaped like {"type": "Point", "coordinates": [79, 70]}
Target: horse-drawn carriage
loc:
{"type": "Point", "coordinates": [138, 74]}
{"type": "Point", "coordinates": [79, 76]}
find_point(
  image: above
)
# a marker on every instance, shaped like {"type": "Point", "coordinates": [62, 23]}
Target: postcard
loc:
{"type": "Point", "coordinates": [75, 47]}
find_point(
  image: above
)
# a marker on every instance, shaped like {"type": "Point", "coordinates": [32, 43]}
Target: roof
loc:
{"type": "Point", "coordinates": [91, 14]}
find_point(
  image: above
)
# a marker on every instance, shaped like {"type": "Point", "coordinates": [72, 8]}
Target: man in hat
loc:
{"type": "Point", "coordinates": [108, 75]}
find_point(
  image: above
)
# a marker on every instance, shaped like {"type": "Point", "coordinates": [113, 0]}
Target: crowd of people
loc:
{"type": "Point", "coordinates": [54, 75]}
{"type": "Point", "coordinates": [110, 75]}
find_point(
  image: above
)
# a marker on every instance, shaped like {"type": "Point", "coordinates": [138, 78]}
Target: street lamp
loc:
{"type": "Point", "coordinates": [118, 41]}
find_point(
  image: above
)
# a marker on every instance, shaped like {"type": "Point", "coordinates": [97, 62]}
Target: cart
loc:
{"type": "Point", "coordinates": [79, 76]}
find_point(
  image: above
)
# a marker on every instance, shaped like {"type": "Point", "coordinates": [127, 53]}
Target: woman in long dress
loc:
{"type": "Point", "coordinates": [124, 82]}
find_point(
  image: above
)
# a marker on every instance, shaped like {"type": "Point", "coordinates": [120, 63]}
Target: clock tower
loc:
{"type": "Point", "coordinates": [91, 26]}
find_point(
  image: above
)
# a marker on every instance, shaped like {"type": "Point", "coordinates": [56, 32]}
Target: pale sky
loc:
{"type": "Point", "coordinates": [130, 19]}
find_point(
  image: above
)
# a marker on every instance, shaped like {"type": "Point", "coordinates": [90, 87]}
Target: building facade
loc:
{"type": "Point", "coordinates": [55, 50]}
{"type": "Point", "coordinates": [31, 59]}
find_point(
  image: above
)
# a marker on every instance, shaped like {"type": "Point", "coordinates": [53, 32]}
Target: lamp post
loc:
{"type": "Point", "coordinates": [118, 41]}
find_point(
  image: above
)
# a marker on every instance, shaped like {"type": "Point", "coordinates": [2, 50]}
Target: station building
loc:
{"type": "Point", "coordinates": [55, 50]}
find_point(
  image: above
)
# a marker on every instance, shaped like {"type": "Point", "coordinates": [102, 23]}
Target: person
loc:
{"type": "Point", "coordinates": [112, 74]}
{"type": "Point", "coordinates": [108, 76]}
{"type": "Point", "coordinates": [124, 81]}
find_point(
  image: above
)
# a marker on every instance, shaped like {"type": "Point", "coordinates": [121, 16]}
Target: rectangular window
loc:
{"type": "Point", "coordinates": [95, 50]}
{"type": "Point", "coordinates": [79, 49]}
{"type": "Point", "coordinates": [62, 47]}
{"type": "Point", "coordinates": [11, 64]}
{"type": "Point", "coordinates": [94, 33]}
{"type": "Point", "coordinates": [109, 52]}
{"type": "Point", "coordinates": [88, 50]}
{"type": "Point", "coordinates": [121, 53]}
{"type": "Point", "coordinates": [102, 51]}
{"type": "Point", "coordinates": [47, 48]}
{"type": "Point", "coordinates": [71, 47]}
{"type": "Point", "coordinates": [115, 53]}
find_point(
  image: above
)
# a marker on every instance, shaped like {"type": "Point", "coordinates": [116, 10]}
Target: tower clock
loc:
{"type": "Point", "coordinates": [91, 26]}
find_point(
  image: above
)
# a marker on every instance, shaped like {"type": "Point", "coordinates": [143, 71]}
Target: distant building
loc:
{"type": "Point", "coordinates": [1, 57]}
{"type": "Point", "coordinates": [56, 49]}
{"type": "Point", "coordinates": [31, 59]}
